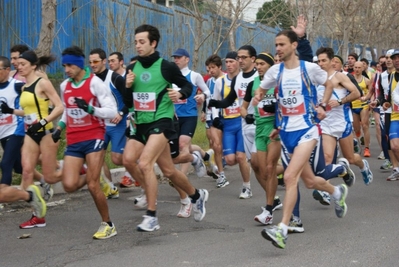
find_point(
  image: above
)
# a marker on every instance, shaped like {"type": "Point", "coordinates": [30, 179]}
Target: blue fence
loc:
{"type": "Point", "coordinates": [110, 24]}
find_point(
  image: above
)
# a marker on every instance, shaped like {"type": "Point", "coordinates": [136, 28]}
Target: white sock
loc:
{"type": "Point", "coordinates": [337, 193]}
{"type": "Point", "coordinates": [185, 201]}
{"type": "Point", "coordinates": [247, 185]}
{"type": "Point", "coordinates": [284, 227]}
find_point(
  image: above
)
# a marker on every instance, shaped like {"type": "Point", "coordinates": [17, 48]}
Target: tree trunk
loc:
{"type": "Point", "coordinates": [47, 28]}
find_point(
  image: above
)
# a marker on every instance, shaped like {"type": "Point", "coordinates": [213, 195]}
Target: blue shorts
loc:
{"type": "Point", "coordinates": [115, 135]}
{"type": "Point", "coordinates": [357, 110]}
{"type": "Point", "coordinates": [187, 125]}
{"type": "Point", "coordinates": [232, 136]}
{"type": "Point", "coordinates": [292, 139]}
{"type": "Point", "coordinates": [81, 149]}
{"type": "Point", "coordinates": [394, 130]}
{"type": "Point", "coordinates": [208, 124]}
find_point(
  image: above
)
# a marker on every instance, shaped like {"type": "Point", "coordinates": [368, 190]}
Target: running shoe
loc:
{"type": "Point", "coordinates": [105, 231]}
{"type": "Point", "coordinates": [366, 152]}
{"type": "Point", "coordinates": [185, 210]}
{"type": "Point", "coordinates": [141, 202]}
{"type": "Point", "coordinates": [222, 181]}
{"type": "Point", "coordinates": [362, 141]}
{"type": "Point", "coordinates": [265, 217]}
{"type": "Point", "coordinates": [105, 187]}
{"type": "Point", "coordinates": [37, 202]}
{"type": "Point", "coordinates": [149, 224]}
{"type": "Point", "coordinates": [349, 177]}
{"type": "Point", "coordinates": [214, 172]}
{"type": "Point", "coordinates": [394, 176]}
{"type": "Point", "coordinates": [367, 174]}
{"type": "Point", "coordinates": [280, 179]}
{"type": "Point", "coordinates": [386, 165]}
{"type": "Point", "coordinates": [381, 156]}
{"type": "Point", "coordinates": [322, 197]}
{"type": "Point", "coordinates": [356, 146]}
{"type": "Point", "coordinates": [277, 204]}
{"type": "Point", "coordinates": [113, 193]}
{"type": "Point", "coordinates": [295, 225]}
{"type": "Point", "coordinates": [33, 222]}
{"type": "Point", "coordinates": [199, 166]}
{"type": "Point", "coordinates": [340, 205]}
{"type": "Point", "coordinates": [199, 205]}
{"type": "Point", "coordinates": [246, 193]}
{"type": "Point", "coordinates": [48, 191]}
{"type": "Point", "coordinates": [83, 170]}
{"type": "Point", "coordinates": [210, 164]}
{"type": "Point", "coordinates": [126, 182]}
{"type": "Point", "coordinates": [275, 235]}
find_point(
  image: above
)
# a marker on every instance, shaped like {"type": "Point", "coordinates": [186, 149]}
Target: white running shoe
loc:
{"type": "Point", "coordinates": [246, 193]}
{"type": "Point", "coordinates": [199, 205]}
{"type": "Point", "coordinates": [265, 217]}
{"type": "Point", "coordinates": [185, 210]}
{"type": "Point", "coordinates": [149, 224]}
{"type": "Point", "coordinates": [199, 166]}
{"type": "Point", "coordinates": [141, 202]}
{"type": "Point", "coordinates": [222, 181]}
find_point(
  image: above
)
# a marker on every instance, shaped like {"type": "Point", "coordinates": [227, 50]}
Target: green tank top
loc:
{"type": "Point", "coordinates": [150, 96]}
{"type": "Point", "coordinates": [262, 117]}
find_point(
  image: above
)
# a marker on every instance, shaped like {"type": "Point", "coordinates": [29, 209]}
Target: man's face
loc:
{"type": "Point", "coordinates": [143, 46]}
{"type": "Point", "coordinates": [395, 61]}
{"type": "Point", "coordinates": [351, 61]}
{"type": "Point", "coordinates": [382, 61]}
{"type": "Point", "coordinates": [181, 62]}
{"type": "Point", "coordinates": [14, 59]}
{"type": "Point", "coordinates": [336, 64]}
{"type": "Point", "coordinates": [72, 71]}
{"type": "Point", "coordinates": [388, 62]}
{"type": "Point", "coordinates": [96, 63]}
{"type": "Point", "coordinates": [358, 68]}
{"type": "Point", "coordinates": [245, 60]}
{"type": "Point", "coordinates": [261, 66]}
{"type": "Point", "coordinates": [284, 47]}
{"type": "Point", "coordinates": [4, 73]}
{"type": "Point", "coordinates": [114, 63]}
{"type": "Point", "coordinates": [324, 62]}
{"type": "Point", "coordinates": [214, 71]}
{"type": "Point", "coordinates": [277, 59]}
{"type": "Point", "coordinates": [231, 65]}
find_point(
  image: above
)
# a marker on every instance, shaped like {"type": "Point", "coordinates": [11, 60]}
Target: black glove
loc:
{"type": "Point", "coordinates": [127, 132]}
{"type": "Point", "coordinates": [212, 103]}
{"type": "Point", "coordinates": [217, 123]}
{"type": "Point", "coordinates": [250, 119]}
{"type": "Point", "coordinates": [33, 128]}
{"type": "Point", "coordinates": [83, 105]}
{"type": "Point", "coordinates": [56, 135]}
{"type": "Point", "coordinates": [269, 108]}
{"type": "Point", "coordinates": [6, 109]}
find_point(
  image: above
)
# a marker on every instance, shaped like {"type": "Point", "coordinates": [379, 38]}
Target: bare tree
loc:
{"type": "Point", "coordinates": [47, 31]}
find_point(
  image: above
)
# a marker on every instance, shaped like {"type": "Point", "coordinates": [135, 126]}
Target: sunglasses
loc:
{"type": "Point", "coordinates": [94, 62]}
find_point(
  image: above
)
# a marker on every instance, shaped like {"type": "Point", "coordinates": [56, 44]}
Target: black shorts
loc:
{"type": "Point", "coordinates": [162, 126]}
{"type": "Point", "coordinates": [187, 125]}
{"type": "Point", "coordinates": [37, 137]}
{"type": "Point", "coordinates": [174, 143]}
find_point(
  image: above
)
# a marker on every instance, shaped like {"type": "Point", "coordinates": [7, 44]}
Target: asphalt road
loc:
{"type": "Point", "coordinates": [228, 236]}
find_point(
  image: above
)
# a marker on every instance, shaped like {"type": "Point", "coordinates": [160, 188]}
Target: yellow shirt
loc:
{"type": "Point", "coordinates": [357, 103]}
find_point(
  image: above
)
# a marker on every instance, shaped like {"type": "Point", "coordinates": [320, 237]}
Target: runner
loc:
{"type": "Point", "coordinates": [116, 63]}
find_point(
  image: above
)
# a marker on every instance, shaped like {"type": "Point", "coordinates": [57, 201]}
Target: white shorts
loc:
{"type": "Point", "coordinates": [337, 129]}
{"type": "Point", "coordinates": [248, 134]}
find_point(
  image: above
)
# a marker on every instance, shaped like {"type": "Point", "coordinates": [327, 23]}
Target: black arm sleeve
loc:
{"type": "Point", "coordinates": [172, 74]}
{"type": "Point", "coordinates": [305, 50]}
{"type": "Point", "coordinates": [248, 92]}
{"type": "Point", "coordinates": [380, 96]}
{"type": "Point", "coordinates": [120, 85]}
{"type": "Point", "coordinates": [229, 99]}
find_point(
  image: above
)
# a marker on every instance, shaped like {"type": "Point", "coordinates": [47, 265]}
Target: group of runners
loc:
{"type": "Point", "coordinates": [278, 114]}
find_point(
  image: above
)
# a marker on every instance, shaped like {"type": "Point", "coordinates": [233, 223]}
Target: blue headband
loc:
{"type": "Point", "coordinates": [73, 60]}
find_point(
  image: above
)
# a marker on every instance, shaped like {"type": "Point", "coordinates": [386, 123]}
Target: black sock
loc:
{"type": "Point", "coordinates": [269, 208]}
{"type": "Point", "coordinates": [206, 157]}
{"type": "Point", "coordinates": [110, 224]}
{"type": "Point", "coordinates": [195, 197]}
{"type": "Point", "coordinates": [30, 196]}
{"type": "Point", "coordinates": [152, 213]}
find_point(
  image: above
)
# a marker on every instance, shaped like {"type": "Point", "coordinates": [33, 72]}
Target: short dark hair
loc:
{"type": "Point", "coordinates": [326, 50]}
{"type": "Point", "coordinates": [365, 60]}
{"type": "Point", "coordinates": [118, 55]}
{"type": "Point", "coordinates": [214, 59]}
{"type": "Point", "coordinates": [19, 48]}
{"type": "Point", "coordinates": [290, 34]}
{"type": "Point", "coordinates": [6, 62]}
{"type": "Point", "coordinates": [73, 50]}
{"type": "Point", "coordinates": [251, 50]}
{"type": "Point", "coordinates": [153, 32]}
{"type": "Point", "coordinates": [100, 52]}
{"type": "Point", "coordinates": [356, 56]}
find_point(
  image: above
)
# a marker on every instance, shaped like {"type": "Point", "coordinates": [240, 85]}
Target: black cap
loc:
{"type": "Point", "coordinates": [395, 52]}
{"type": "Point", "coordinates": [232, 55]}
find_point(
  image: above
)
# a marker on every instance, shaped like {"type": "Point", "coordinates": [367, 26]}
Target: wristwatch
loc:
{"type": "Point", "coordinates": [339, 101]}
{"type": "Point", "coordinates": [121, 113]}
{"type": "Point", "coordinates": [303, 37]}
{"type": "Point", "coordinates": [323, 106]}
{"type": "Point", "coordinates": [43, 122]}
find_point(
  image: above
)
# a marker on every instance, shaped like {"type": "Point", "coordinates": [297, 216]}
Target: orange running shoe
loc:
{"type": "Point", "coordinates": [33, 222]}
{"type": "Point", "coordinates": [366, 152]}
{"type": "Point", "coordinates": [127, 182]}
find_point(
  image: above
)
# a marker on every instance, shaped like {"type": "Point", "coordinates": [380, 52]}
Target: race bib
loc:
{"type": "Point", "coordinates": [395, 107]}
{"type": "Point", "coordinates": [30, 119]}
{"type": "Point", "coordinates": [77, 117]}
{"type": "Point", "coordinates": [292, 105]}
{"type": "Point", "coordinates": [241, 93]}
{"type": "Point", "coordinates": [5, 119]}
{"type": "Point", "coordinates": [233, 109]}
{"type": "Point", "coordinates": [144, 102]}
{"type": "Point", "coordinates": [265, 102]}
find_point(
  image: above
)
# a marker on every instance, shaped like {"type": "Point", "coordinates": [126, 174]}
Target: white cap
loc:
{"type": "Point", "coordinates": [315, 59]}
{"type": "Point", "coordinates": [389, 52]}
